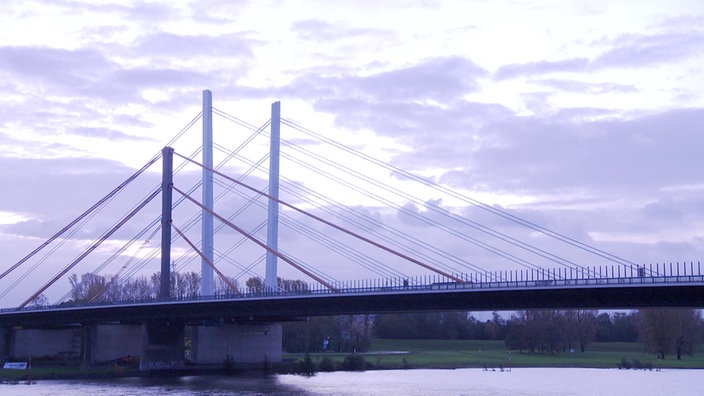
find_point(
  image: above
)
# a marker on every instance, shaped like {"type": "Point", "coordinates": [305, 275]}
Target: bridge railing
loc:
{"type": "Point", "coordinates": [657, 274]}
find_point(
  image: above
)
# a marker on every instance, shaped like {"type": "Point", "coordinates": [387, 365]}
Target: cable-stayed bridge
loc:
{"type": "Point", "coordinates": [421, 246]}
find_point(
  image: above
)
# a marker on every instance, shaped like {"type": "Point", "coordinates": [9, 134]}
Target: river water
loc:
{"type": "Point", "coordinates": [519, 381]}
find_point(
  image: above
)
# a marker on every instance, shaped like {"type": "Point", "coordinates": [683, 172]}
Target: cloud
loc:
{"type": "Point", "coordinates": [152, 77]}
{"type": "Point", "coordinates": [421, 102]}
{"type": "Point", "coordinates": [217, 12]}
{"type": "Point", "coordinates": [107, 133]}
{"type": "Point", "coordinates": [51, 193]}
{"type": "Point", "coordinates": [624, 52]}
{"type": "Point", "coordinates": [440, 79]}
{"type": "Point", "coordinates": [608, 157]}
{"type": "Point", "coordinates": [236, 46]}
{"type": "Point", "coordinates": [541, 67]}
{"type": "Point", "coordinates": [568, 85]}
{"type": "Point", "coordinates": [55, 67]}
{"type": "Point", "coordinates": [635, 50]}
{"type": "Point", "coordinates": [322, 31]}
{"type": "Point", "coordinates": [680, 207]}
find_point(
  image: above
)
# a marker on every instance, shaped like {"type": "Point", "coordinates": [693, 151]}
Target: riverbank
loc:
{"type": "Point", "coordinates": [450, 354]}
{"type": "Point", "coordinates": [398, 354]}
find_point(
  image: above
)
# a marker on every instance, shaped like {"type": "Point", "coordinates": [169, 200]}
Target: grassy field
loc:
{"type": "Point", "coordinates": [493, 354]}
{"type": "Point", "coordinates": [397, 354]}
{"type": "Point", "coordinates": [63, 372]}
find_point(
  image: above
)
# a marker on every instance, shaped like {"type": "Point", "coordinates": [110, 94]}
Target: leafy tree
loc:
{"type": "Point", "coordinates": [398, 326]}
{"type": "Point", "coordinates": [257, 285]}
{"type": "Point", "coordinates": [668, 331]}
{"type": "Point", "coordinates": [516, 335]}
{"type": "Point", "coordinates": [292, 285]}
{"type": "Point", "coordinates": [625, 327]}
{"type": "Point", "coordinates": [254, 285]}
{"type": "Point", "coordinates": [551, 331]}
{"type": "Point", "coordinates": [494, 329]}
{"type": "Point", "coordinates": [579, 326]}
{"type": "Point", "coordinates": [541, 330]}
{"type": "Point", "coordinates": [342, 333]}
{"type": "Point", "coordinates": [604, 328]}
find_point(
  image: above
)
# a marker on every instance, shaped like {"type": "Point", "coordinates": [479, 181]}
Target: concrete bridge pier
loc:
{"type": "Point", "coordinates": [87, 337]}
{"type": "Point", "coordinates": [107, 342]}
{"type": "Point", "coordinates": [244, 345]}
{"type": "Point", "coordinates": [163, 345]}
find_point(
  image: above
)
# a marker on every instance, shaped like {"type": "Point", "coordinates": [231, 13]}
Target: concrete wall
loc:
{"type": "Point", "coordinates": [45, 342]}
{"type": "Point", "coordinates": [110, 342]}
{"type": "Point", "coordinates": [246, 344]}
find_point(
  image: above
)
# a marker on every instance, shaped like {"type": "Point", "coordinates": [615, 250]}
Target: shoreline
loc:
{"type": "Point", "coordinates": [386, 354]}
{"type": "Point", "coordinates": [10, 377]}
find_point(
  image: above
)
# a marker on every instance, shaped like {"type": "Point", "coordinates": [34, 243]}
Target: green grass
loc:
{"type": "Point", "coordinates": [425, 354]}
{"type": "Point", "coordinates": [73, 370]}
{"type": "Point", "coordinates": [492, 354]}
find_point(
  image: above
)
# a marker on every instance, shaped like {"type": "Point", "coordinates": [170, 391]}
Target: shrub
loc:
{"type": "Point", "coordinates": [326, 364]}
{"type": "Point", "coordinates": [308, 366]}
{"type": "Point", "coordinates": [355, 363]}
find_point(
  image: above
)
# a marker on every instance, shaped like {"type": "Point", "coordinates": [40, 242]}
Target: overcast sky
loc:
{"type": "Point", "coordinates": [586, 117]}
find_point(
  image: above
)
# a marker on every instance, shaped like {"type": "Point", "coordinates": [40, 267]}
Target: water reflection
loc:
{"type": "Point", "coordinates": [520, 381]}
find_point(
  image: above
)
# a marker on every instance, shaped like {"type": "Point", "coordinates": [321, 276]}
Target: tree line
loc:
{"type": "Point", "coordinates": [94, 288]}
{"type": "Point", "coordinates": [664, 332]}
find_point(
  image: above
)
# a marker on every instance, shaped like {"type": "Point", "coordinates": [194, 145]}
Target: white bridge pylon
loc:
{"type": "Point", "coordinates": [207, 287]}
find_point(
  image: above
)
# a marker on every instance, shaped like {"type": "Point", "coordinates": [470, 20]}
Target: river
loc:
{"type": "Point", "coordinates": [518, 382]}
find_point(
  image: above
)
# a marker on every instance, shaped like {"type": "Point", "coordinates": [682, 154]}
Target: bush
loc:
{"type": "Point", "coordinates": [228, 364]}
{"type": "Point", "coordinates": [625, 364]}
{"type": "Point", "coordinates": [355, 363]}
{"type": "Point", "coordinates": [308, 366]}
{"type": "Point", "coordinates": [326, 364]}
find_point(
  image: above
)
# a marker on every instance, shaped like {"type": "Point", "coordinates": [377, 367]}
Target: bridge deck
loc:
{"type": "Point", "coordinates": [593, 293]}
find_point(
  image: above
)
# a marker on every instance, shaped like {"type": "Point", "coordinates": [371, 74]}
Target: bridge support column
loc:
{"type": "Point", "coordinates": [87, 337]}
{"type": "Point", "coordinates": [162, 345]}
{"type": "Point", "coordinates": [245, 345]}
{"type": "Point", "coordinates": [5, 340]}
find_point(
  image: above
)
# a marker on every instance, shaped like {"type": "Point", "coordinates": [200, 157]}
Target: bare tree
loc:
{"type": "Point", "coordinates": [185, 285]}
{"type": "Point", "coordinates": [87, 288]}
{"type": "Point", "coordinates": [137, 289]}
{"type": "Point", "coordinates": [40, 301]}
{"type": "Point", "coordinates": [222, 288]}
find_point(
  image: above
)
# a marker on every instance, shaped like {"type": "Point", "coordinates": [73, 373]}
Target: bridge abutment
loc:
{"type": "Point", "coordinates": [39, 343]}
{"type": "Point", "coordinates": [91, 343]}
{"type": "Point", "coordinates": [243, 345]}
